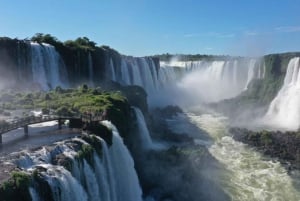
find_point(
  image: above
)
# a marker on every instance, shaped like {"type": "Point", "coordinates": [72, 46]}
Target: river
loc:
{"type": "Point", "coordinates": [245, 174]}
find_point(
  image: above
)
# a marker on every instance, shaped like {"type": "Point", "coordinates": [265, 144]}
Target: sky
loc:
{"type": "Point", "coordinates": [148, 27]}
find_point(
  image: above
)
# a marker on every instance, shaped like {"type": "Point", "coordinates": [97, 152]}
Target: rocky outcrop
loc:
{"type": "Point", "coordinates": [284, 146]}
{"type": "Point", "coordinates": [178, 174]}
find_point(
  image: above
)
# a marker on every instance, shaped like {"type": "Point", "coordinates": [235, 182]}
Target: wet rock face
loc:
{"type": "Point", "coordinates": [169, 111]}
{"type": "Point", "coordinates": [5, 170]}
{"type": "Point", "coordinates": [282, 145]}
{"type": "Point", "coordinates": [178, 174]}
{"type": "Point", "coordinates": [63, 160]}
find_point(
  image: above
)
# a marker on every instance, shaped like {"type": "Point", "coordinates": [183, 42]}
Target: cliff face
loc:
{"type": "Point", "coordinates": [263, 91]}
{"type": "Point", "coordinates": [260, 92]}
{"type": "Point", "coordinates": [17, 58]}
{"type": "Point", "coordinates": [10, 62]}
{"type": "Point", "coordinates": [47, 63]}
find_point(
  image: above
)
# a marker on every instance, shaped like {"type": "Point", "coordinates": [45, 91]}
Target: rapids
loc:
{"type": "Point", "coordinates": [246, 174]}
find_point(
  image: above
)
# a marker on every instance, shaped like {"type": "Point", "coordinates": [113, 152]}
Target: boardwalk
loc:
{"type": "Point", "coordinates": [25, 122]}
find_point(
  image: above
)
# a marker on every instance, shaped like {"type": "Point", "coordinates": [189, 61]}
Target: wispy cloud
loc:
{"type": "Point", "coordinates": [251, 33]}
{"type": "Point", "coordinates": [288, 29]}
{"type": "Point", "coordinates": [210, 34]}
{"type": "Point", "coordinates": [221, 35]}
{"type": "Point", "coordinates": [191, 35]}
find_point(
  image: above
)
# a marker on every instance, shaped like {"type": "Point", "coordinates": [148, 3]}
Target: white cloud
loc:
{"type": "Point", "coordinates": [288, 29]}
{"type": "Point", "coordinates": [210, 34]}
{"type": "Point", "coordinates": [190, 35]}
{"type": "Point", "coordinates": [221, 35]}
{"type": "Point", "coordinates": [251, 33]}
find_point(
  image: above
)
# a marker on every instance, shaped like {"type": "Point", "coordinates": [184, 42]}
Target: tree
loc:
{"type": "Point", "coordinates": [45, 38]}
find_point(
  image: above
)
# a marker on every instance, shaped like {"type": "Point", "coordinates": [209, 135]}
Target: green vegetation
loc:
{"type": "Point", "coordinates": [66, 102]}
{"type": "Point", "coordinates": [111, 106]}
{"type": "Point", "coordinates": [81, 42]}
{"type": "Point", "coordinates": [42, 186]}
{"type": "Point", "coordinates": [86, 152]}
{"type": "Point", "coordinates": [45, 38]}
{"type": "Point", "coordinates": [94, 142]}
{"type": "Point", "coordinates": [191, 57]}
{"type": "Point", "coordinates": [16, 187]}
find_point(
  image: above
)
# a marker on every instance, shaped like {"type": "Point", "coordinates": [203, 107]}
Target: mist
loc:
{"type": "Point", "coordinates": [212, 81]}
{"type": "Point", "coordinates": [284, 110]}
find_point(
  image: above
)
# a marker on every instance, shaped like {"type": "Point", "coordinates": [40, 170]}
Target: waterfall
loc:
{"type": "Point", "coordinates": [251, 72]}
{"type": "Point", "coordinates": [137, 79]}
{"type": "Point", "coordinates": [112, 70]}
{"type": "Point", "coordinates": [90, 66]}
{"type": "Point", "coordinates": [262, 70]}
{"type": "Point", "coordinates": [284, 110]}
{"type": "Point", "coordinates": [38, 66]}
{"type": "Point", "coordinates": [143, 131]}
{"type": "Point", "coordinates": [48, 70]}
{"type": "Point", "coordinates": [213, 80]}
{"type": "Point", "coordinates": [125, 72]}
{"type": "Point", "coordinates": [63, 185]}
{"type": "Point", "coordinates": [139, 71]}
{"type": "Point", "coordinates": [108, 175]}
{"type": "Point", "coordinates": [147, 77]}
{"type": "Point", "coordinates": [127, 183]}
{"type": "Point", "coordinates": [166, 76]}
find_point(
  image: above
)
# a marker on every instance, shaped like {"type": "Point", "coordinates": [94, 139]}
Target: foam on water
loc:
{"type": "Point", "coordinates": [247, 175]}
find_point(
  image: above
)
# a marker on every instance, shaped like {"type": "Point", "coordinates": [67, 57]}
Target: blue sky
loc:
{"type": "Point", "coordinates": [147, 27]}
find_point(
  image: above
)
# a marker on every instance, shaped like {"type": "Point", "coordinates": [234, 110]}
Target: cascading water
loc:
{"type": "Point", "coordinates": [38, 68]}
{"type": "Point", "coordinates": [144, 135]}
{"type": "Point", "coordinates": [246, 174]}
{"type": "Point", "coordinates": [90, 66]}
{"type": "Point", "coordinates": [125, 73]}
{"type": "Point", "coordinates": [48, 70]}
{"type": "Point", "coordinates": [108, 175]}
{"type": "Point", "coordinates": [135, 71]}
{"type": "Point", "coordinates": [112, 70]}
{"type": "Point", "coordinates": [212, 81]}
{"type": "Point", "coordinates": [251, 72]}
{"type": "Point", "coordinates": [125, 177]}
{"type": "Point", "coordinates": [284, 110]}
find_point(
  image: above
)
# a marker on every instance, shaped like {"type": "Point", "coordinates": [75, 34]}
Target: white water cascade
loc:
{"type": "Point", "coordinates": [112, 70]}
{"type": "Point", "coordinates": [48, 69]}
{"type": "Point", "coordinates": [139, 71]}
{"type": "Point", "coordinates": [212, 81]}
{"type": "Point", "coordinates": [284, 110]}
{"type": "Point", "coordinates": [251, 72]}
{"type": "Point", "coordinates": [90, 66]}
{"type": "Point", "coordinates": [107, 177]}
{"type": "Point", "coordinates": [144, 135]}
{"type": "Point", "coordinates": [125, 177]}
